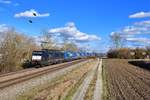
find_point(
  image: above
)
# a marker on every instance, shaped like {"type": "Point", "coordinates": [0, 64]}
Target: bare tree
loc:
{"type": "Point", "coordinates": [47, 40]}
{"type": "Point", "coordinates": [117, 40]}
{"type": "Point", "coordinates": [69, 46]}
{"type": "Point", "coordinates": [14, 49]}
{"type": "Point", "coordinates": [148, 50]}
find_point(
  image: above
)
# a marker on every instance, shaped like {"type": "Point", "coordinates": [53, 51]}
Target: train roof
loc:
{"type": "Point", "coordinates": [51, 50]}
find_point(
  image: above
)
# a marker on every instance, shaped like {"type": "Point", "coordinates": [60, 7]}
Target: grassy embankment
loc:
{"type": "Point", "coordinates": [105, 95]}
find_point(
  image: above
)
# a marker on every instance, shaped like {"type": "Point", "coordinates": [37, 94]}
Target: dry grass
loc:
{"type": "Point", "coordinates": [74, 88]}
{"type": "Point", "coordinates": [61, 87]}
{"type": "Point", "coordinates": [60, 90]}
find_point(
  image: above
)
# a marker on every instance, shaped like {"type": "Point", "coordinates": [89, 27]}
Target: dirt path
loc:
{"type": "Point", "coordinates": [98, 88]}
{"type": "Point", "coordinates": [80, 93]}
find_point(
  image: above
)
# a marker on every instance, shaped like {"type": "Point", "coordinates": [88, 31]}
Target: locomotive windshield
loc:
{"type": "Point", "coordinates": [37, 53]}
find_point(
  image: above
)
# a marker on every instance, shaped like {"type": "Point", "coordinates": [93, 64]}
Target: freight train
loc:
{"type": "Point", "coordinates": [47, 57]}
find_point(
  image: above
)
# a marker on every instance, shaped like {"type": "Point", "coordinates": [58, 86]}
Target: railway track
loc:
{"type": "Point", "coordinates": [12, 79]}
{"type": "Point", "coordinates": [16, 72]}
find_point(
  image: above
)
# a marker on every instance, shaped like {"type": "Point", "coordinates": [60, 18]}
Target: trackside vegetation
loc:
{"type": "Point", "coordinates": [16, 48]}
{"type": "Point", "coordinates": [128, 53]}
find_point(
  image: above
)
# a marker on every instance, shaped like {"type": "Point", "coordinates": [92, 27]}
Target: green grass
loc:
{"type": "Point", "coordinates": [105, 95]}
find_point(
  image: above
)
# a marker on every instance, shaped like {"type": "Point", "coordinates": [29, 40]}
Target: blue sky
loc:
{"type": "Point", "coordinates": [92, 17]}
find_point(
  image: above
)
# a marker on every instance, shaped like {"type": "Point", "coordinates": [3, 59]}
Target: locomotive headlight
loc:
{"type": "Point", "coordinates": [36, 57]}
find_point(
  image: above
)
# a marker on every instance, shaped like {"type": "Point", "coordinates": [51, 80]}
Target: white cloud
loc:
{"type": "Point", "coordinates": [141, 40]}
{"type": "Point", "coordinates": [112, 33]}
{"type": "Point", "coordinates": [135, 30]}
{"type": "Point", "coordinates": [122, 35]}
{"type": "Point", "coordinates": [70, 32]}
{"type": "Point", "coordinates": [140, 15]}
{"type": "Point", "coordinates": [142, 27]}
{"type": "Point", "coordinates": [30, 13]}
{"type": "Point", "coordinates": [143, 23]}
{"type": "Point", "coordinates": [9, 2]}
{"type": "Point", "coordinates": [5, 1]}
{"type": "Point", "coordinates": [4, 28]}
{"type": "Point", "coordinates": [130, 30]}
{"type": "Point", "coordinates": [138, 33]}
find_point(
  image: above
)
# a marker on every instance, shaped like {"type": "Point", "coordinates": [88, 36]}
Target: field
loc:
{"type": "Point", "coordinates": [124, 81]}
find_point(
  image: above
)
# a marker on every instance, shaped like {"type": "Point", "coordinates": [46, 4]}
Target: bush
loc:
{"type": "Point", "coordinates": [15, 48]}
{"type": "Point", "coordinates": [127, 53]}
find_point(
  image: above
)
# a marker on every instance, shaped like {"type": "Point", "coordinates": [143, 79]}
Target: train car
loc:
{"type": "Point", "coordinates": [67, 55]}
{"type": "Point", "coordinates": [76, 55]}
{"type": "Point", "coordinates": [82, 55]}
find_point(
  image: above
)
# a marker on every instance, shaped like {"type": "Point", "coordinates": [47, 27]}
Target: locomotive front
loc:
{"type": "Point", "coordinates": [37, 57]}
